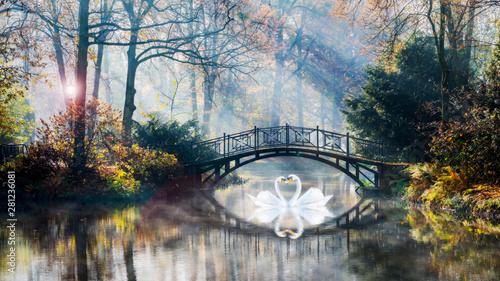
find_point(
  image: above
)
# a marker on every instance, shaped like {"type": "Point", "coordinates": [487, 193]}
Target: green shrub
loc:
{"type": "Point", "coordinates": [173, 138]}
{"type": "Point", "coordinates": [150, 166]}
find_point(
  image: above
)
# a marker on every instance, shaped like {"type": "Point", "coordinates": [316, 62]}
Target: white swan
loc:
{"type": "Point", "coordinates": [313, 216]}
{"type": "Point", "coordinates": [313, 198]}
{"type": "Point", "coordinates": [288, 232]}
{"type": "Point", "coordinates": [309, 207]}
{"type": "Point", "coordinates": [267, 199]}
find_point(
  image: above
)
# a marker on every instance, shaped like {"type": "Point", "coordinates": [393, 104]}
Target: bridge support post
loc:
{"type": "Point", "coordinates": [317, 141]}
{"type": "Point", "coordinates": [256, 137]}
{"type": "Point", "coordinates": [347, 144]}
{"type": "Point", "coordinates": [287, 135]}
{"type": "Point", "coordinates": [379, 181]}
{"type": "Point", "coordinates": [217, 170]}
{"type": "Point", "coordinates": [224, 145]}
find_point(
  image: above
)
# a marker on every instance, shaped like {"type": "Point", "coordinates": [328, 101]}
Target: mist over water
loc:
{"type": "Point", "coordinates": [210, 238]}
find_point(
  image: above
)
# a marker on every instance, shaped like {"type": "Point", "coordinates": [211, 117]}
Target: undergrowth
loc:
{"type": "Point", "coordinates": [447, 187]}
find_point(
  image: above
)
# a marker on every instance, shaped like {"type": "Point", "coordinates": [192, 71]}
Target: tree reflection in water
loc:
{"type": "Point", "coordinates": [192, 239]}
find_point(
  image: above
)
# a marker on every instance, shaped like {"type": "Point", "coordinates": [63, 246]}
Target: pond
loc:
{"type": "Point", "coordinates": [212, 235]}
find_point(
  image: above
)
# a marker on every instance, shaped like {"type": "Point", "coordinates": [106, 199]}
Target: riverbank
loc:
{"type": "Point", "coordinates": [448, 190]}
{"type": "Point", "coordinates": [103, 185]}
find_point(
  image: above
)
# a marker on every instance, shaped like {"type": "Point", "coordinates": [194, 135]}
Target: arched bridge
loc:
{"type": "Point", "coordinates": [361, 160]}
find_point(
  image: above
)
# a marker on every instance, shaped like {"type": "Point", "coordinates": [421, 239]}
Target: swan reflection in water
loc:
{"type": "Point", "coordinates": [310, 206]}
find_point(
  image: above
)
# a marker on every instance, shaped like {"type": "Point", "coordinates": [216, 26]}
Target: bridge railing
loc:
{"type": "Point", "coordinates": [292, 136]}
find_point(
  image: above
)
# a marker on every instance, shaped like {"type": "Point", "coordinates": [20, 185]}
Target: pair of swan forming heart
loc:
{"type": "Point", "coordinates": [310, 207]}
{"type": "Point", "coordinates": [313, 198]}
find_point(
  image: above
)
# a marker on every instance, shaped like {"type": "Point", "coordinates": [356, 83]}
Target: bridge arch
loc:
{"type": "Point", "coordinates": [358, 170]}
{"type": "Point", "coordinates": [325, 161]}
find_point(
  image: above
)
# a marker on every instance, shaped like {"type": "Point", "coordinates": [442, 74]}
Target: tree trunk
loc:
{"type": "Point", "coordinates": [130, 91]}
{"type": "Point", "coordinates": [323, 111]}
{"type": "Point", "coordinates": [278, 85]}
{"type": "Point", "coordinates": [79, 159]}
{"type": "Point", "coordinates": [105, 17]}
{"type": "Point", "coordinates": [439, 43]}
{"type": "Point", "coordinates": [29, 117]}
{"type": "Point", "coordinates": [61, 67]}
{"type": "Point", "coordinates": [454, 82]}
{"type": "Point", "coordinates": [278, 76]}
{"type": "Point", "coordinates": [97, 75]}
{"type": "Point", "coordinates": [105, 69]}
{"type": "Point", "coordinates": [300, 102]}
{"type": "Point", "coordinates": [300, 64]}
{"type": "Point", "coordinates": [208, 101]}
{"type": "Point", "coordinates": [468, 41]}
{"type": "Point", "coordinates": [445, 95]}
{"type": "Point", "coordinates": [192, 72]}
{"type": "Point", "coordinates": [194, 103]}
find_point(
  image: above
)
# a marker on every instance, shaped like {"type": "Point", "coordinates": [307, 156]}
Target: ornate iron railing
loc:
{"type": "Point", "coordinates": [291, 136]}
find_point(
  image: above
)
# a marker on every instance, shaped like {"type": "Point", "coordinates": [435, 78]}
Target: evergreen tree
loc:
{"type": "Point", "coordinates": [397, 97]}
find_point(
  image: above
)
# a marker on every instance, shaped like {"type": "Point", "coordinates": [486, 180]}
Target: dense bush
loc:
{"type": "Point", "coordinates": [138, 166]}
{"type": "Point", "coordinates": [44, 170]}
{"type": "Point", "coordinates": [172, 137]}
{"type": "Point", "coordinates": [472, 147]}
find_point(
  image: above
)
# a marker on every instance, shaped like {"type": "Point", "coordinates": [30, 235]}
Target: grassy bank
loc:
{"type": "Point", "coordinates": [446, 188]}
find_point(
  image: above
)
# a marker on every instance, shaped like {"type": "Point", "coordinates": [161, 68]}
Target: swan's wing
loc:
{"type": "Point", "coordinates": [314, 215]}
{"type": "Point", "coordinates": [313, 197]}
{"type": "Point", "coordinates": [265, 198]}
{"type": "Point", "coordinates": [266, 215]}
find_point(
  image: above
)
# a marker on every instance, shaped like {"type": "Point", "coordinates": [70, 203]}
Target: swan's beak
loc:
{"type": "Point", "coordinates": [287, 231]}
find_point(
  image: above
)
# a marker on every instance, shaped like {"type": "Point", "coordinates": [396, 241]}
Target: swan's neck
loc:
{"type": "Point", "coordinates": [298, 189]}
{"type": "Point", "coordinates": [282, 198]}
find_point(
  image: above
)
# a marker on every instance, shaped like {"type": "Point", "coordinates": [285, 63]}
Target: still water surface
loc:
{"type": "Point", "coordinates": [211, 238]}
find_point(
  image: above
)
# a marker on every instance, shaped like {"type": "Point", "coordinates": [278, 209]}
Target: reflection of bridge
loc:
{"type": "Point", "coordinates": [366, 212]}
{"type": "Point", "coordinates": [361, 160]}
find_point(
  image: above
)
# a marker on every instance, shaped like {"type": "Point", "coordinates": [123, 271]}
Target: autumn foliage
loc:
{"type": "Point", "coordinates": [465, 173]}
{"type": "Point", "coordinates": [473, 145]}
{"type": "Point", "coordinates": [111, 167]}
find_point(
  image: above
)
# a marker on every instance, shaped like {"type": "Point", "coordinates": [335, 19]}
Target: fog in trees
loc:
{"type": "Point", "coordinates": [233, 65]}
